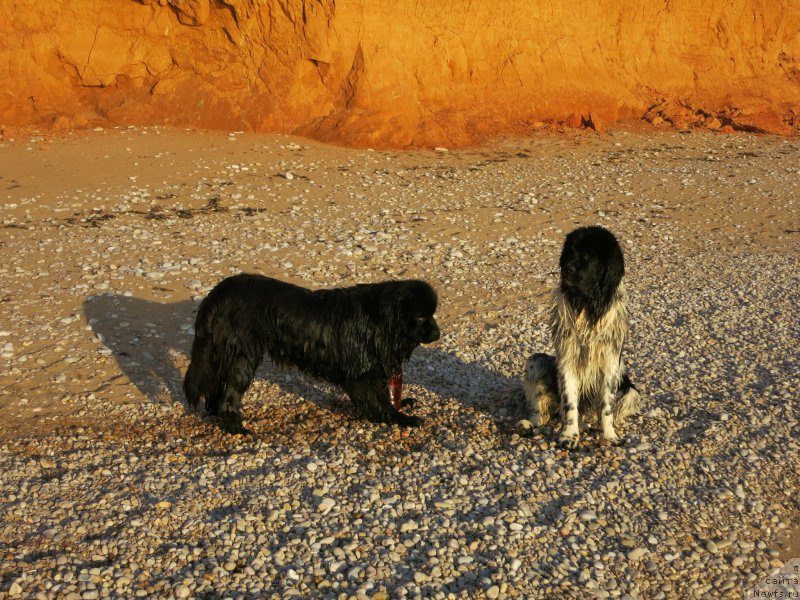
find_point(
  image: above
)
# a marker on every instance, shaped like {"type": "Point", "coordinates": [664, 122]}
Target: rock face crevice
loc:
{"type": "Point", "coordinates": [399, 73]}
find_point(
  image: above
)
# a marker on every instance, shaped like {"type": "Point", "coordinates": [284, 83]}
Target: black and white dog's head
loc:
{"type": "Point", "coordinates": [592, 266]}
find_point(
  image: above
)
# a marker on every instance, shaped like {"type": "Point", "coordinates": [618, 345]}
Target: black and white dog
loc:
{"type": "Point", "coordinates": [356, 337]}
{"type": "Point", "coordinates": [588, 325]}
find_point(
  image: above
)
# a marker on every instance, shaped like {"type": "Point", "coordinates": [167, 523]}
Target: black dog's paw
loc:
{"type": "Point", "coordinates": [408, 420]}
{"type": "Point", "coordinates": [408, 402]}
{"type": "Point", "coordinates": [232, 423]}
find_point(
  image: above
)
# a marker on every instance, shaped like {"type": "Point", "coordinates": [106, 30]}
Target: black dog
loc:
{"type": "Point", "coordinates": [355, 337]}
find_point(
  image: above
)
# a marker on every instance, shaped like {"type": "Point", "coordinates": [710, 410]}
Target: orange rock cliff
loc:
{"type": "Point", "coordinates": [400, 73]}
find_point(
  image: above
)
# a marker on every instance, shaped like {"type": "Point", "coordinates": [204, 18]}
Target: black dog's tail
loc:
{"type": "Point", "coordinates": [201, 377]}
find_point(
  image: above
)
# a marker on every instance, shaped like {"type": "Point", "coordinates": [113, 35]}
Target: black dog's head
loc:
{"type": "Point", "coordinates": [418, 301]}
{"type": "Point", "coordinates": [407, 320]}
{"type": "Point", "coordinates": [592, 267]}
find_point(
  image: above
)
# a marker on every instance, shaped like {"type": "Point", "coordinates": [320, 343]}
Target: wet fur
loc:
{"type": "Point", "coordinates": [588, 325]}
{"type": "Point", "coordinates": [354, 337]}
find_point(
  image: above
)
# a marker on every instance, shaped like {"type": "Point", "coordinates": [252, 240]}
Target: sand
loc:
{"type": "Point", "coordinates": [110, 237]}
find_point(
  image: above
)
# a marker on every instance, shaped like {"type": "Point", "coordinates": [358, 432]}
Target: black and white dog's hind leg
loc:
{"type": "Point", "coordinates": [540, 389]}
{"type": "Point", "coordinates": [628, 400]}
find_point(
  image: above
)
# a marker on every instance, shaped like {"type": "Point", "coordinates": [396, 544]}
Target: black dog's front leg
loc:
{"type": "Point", "coordinates": [371, 399]}
{"type": "Point", "coordinates": [396, 392]}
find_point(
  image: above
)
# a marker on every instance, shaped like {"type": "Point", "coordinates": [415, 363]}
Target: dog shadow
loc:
{"type": "Point", "coordinates": [148, 340]}
{"type": "Point", "coordinates": [151, 342]}
{"type": "Point", "coordinates": [471, 384]}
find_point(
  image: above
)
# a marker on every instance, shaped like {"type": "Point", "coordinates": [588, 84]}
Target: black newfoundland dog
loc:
{"type": "Point", "coordinates": [588, 325]}
{"type": "Point", "coordinates": [356, 337]}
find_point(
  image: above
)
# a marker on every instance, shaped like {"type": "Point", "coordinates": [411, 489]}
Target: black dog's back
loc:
{"type": "Point", "coordinates": [292, 324]}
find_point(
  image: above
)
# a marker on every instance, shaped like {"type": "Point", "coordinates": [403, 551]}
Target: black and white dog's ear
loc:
{"type": "Point", "coordinates": [614, 270]}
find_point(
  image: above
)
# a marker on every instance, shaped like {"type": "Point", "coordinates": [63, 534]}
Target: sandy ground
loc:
{"type": "Point", "coordinates": [60, 196]}
{"type": "Point", "coordinates": [110, 237]}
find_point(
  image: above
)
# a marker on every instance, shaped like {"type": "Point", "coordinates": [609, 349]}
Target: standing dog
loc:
{"type": "Point", "coordinates": [355, 337]}
{"type": "Point", "coordinates": [588, 324]}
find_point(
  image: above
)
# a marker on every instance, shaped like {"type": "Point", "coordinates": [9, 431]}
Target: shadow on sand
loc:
{"type": "Point", "coordinates": [151, 342]}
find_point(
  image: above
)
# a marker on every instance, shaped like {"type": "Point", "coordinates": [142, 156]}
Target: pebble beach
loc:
{"type": "Point", "coordinates": [113, 488]}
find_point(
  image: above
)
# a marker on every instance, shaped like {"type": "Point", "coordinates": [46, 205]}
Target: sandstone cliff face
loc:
{"type": "Point", "coordinates": [400, 73]}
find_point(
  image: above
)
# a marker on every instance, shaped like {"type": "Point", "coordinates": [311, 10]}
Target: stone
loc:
{"type": "Point", "coordinates": [637, 553]}
{"type": "Point", "coordinates": [762, 121]}
{"type": "Point", "coordinates": [596, 122]}
{"type": "Point", "coordinates": [408, 526]}
{"type": "Point", "coordinates": [326, 504]}
{"type": "Point", "coordinates": [574, 121]}
{"type": "Point", "coordinates": [192, 12]}
{"type": "Point", "coordinates": [159, 60]}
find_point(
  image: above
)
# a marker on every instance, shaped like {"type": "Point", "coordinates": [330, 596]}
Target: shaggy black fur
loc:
{"type": "Point", "coordinates": [354, 337]}
{"type": "Point", "coordinates": [589, 279]}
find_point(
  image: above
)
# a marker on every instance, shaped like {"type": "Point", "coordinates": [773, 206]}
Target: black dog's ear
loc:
{"type": "Point", "coordinates": [392, 307]}
{"type": "Point", "coordinates": [397, 305]}
{"type": "Point", "coordinates": [409, 299]}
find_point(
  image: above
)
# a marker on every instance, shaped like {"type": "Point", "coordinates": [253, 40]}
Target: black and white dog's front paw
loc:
{"type": "Point", "coordinates": [569, 440]}
{"type": "Point", "coordinates": [613, 438]}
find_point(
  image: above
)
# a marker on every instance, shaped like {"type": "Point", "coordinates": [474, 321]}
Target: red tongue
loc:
{"type": "Point", "coordinates": [396, 388]}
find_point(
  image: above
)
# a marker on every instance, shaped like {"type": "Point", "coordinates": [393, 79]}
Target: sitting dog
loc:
{"type": "Point", "coordinates": [588, 325]}
{"type": "Point", "coordinates": [356, 337]}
